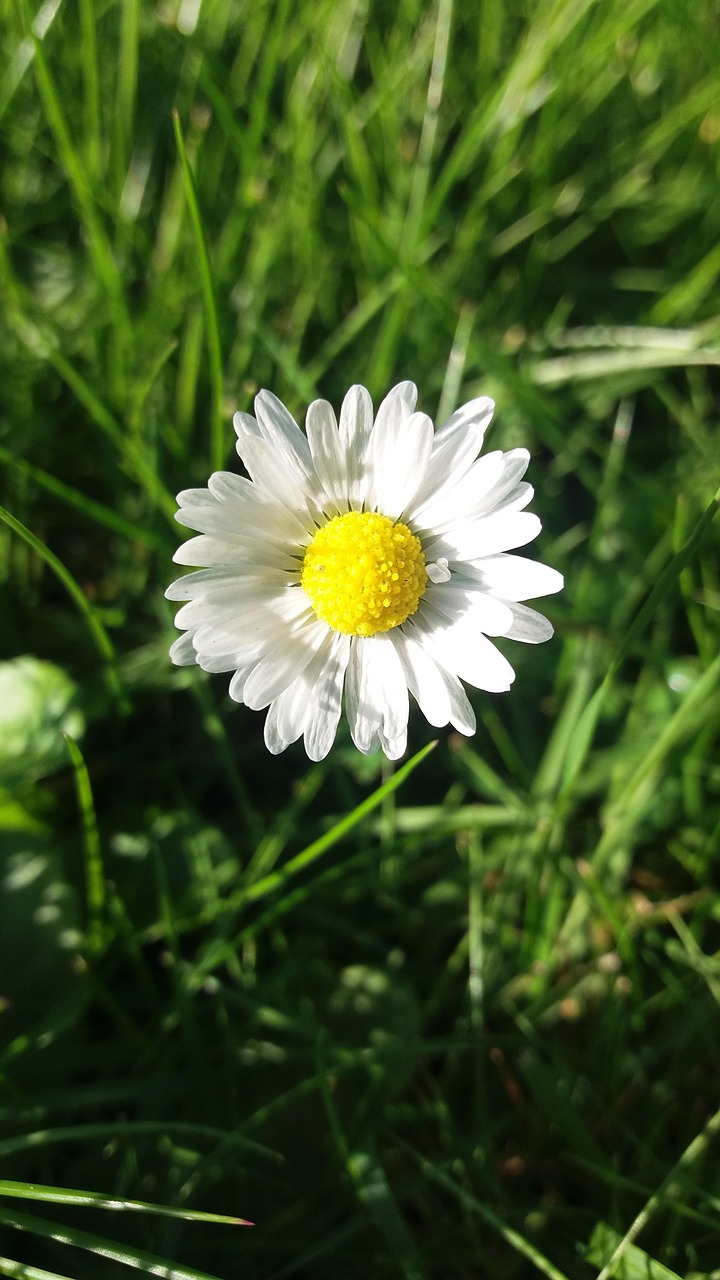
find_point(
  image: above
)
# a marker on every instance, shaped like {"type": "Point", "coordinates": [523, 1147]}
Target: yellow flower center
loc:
{"type": "Point", "coordinates": [364, 573]}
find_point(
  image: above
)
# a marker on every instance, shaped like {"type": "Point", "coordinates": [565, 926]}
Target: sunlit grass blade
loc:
{"type": "Point", "coordinates": [217, 440]}
{"type": "Point", "coordinates": [426, 146]}
{"type": "Point", "coordinates": [137, 1258]}
{"type": "Point", "coordinates": [582, 735]}
{"type": "Point", "coordinates": [68, 1195]}
{"type": "Point", "coordinates": [634, 1264]}
{"type": "Point", "coordinates": [127, 87]}
{"type": "Point", "coordinates": [22, 58]}
{"type": "Point", "coordinates": [278, 879]}
{"type": "Point", "coordinates": [24, 1271]}
{"type": "Point", "coordinates": [104, 261]}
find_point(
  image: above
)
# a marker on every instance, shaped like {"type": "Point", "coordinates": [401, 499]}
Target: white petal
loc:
{"type": "Point", "coordinates": [515, 464]}
{"type": "Point", "coordinates": [484, 537]}
{"type": "Point", "coordinates": [376, 696]}
{"type": "Point", "coordinates": [237, 684]}
{"type": "Point", "coordinates": [398, 456]}
{"type": "Point", "coordinates": [226, 486]}
{"type": "Point", "coordinates": [281, 664]}
{"type": "Point", "coordinates": [460, 713]}
{"type": "Point", "coordinates": [392, 685]}
{"type": "Point", "coordinates": [326, 700]}
{"type": "Point", "coordinates": [362, 711]}
{"type": "Point", "coordinates": [204, 581]}
{"type": "Point", "coordinates": [462, 716]}
{"type": "Point", "coordinates": [242, 554]}
{"type": "Point", "coordinates": [407, 391]}
{"type": "Point", "coordinates": [456, 601]}
{"type": "Point", "coordinates": [515, 577]}
{"type": "Point", "coordinates": [276, 475]}
{"type": "Point", "coordinates": [285, 720]}
{"type": "Point", "coordinates": [423, 677]}
{"type": "Point", "coordinates": [225, 602]}
{"type": "Point", "coordinates": [461, 497]}
{"type": "Point", "coordinates": [311, 704]}
{"type": "Point", "coordinates": [466, 652]}
{"type": "Point", "coordinates": [356, 419]}
{"type": "Point", "coordinates": [529, 626]}
{"type": "Point", "coordinates": [245, 426]}
{"type": "Point", "coordinates": [282, 432]}
{"type": "Point", "coordinates": [256, 522]}
{"type": "Point", "coordinates": [195, 583]}
{"type": "Point", "coordinates": [328, 455]}
{"type": "Point", "coordinates": [475, 413]}
{"type": "Point", "coordinates": [234, 504]}
{"type": "Point", "coordinates": [250, 632]}
{"type": "Point", "coordinates": [456, 445]}
{"type": "Point", "coordinates": [193, 497]}
{"type": "Point", "coordinates": [182, 652]}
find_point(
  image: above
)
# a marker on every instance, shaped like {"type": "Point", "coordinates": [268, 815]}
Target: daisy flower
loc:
{"type": "Point", "coordinates": [359, 562]}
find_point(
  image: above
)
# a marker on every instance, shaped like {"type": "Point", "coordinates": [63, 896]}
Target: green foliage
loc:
{"type": "Point", "coordinates": [452, 1021]}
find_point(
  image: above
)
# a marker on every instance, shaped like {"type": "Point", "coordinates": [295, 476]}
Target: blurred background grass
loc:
{"type": "Point", "coordinates": [476, 1034]}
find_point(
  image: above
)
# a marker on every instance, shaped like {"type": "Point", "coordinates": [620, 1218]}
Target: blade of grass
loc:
{"type": "Point", "coordinates": [371, 1186]}
{"type": "Point", "coordinates": [98, 243]}
{"type": "Point", "coordinates": [138, 1258]}
{"type": "Point", "coordinates": [94, 877]}
{"type": "Point", "coordinates": [99, 635]}
{"type": "Point", "coordinates": [584, 730]}
{"type": "Point", "coordinates": [217, 442]}
{"type": "Point", "coordinates": [25, 53]}
{"type": "Point", "coordinates": [635, 1264]}
{"type": "Point", "coordinates": [278, 879]}
{"type": "Point", "coordinates": [130, 1129]}
{"type": "Point", "coordinates": [90, 507]}
{"type": "Point", "coordinates": [68, 1195]}
{"type": "Point", "coordinates": [91, 79]}
{"type": "Point", "coordinates": [426, 146]}
{"type": "Point", "coordinates": [516, 1241]}
{"type": "Point", "coordinates": [23, 1271]}
{"type": "Point", "coordinates": [692, 1153]}
{"type": "Point", "coordinates": [126, 87]}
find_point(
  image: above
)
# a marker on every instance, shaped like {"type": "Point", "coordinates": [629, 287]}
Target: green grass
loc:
{"type": "Point", "coordinates": [457, 1020]}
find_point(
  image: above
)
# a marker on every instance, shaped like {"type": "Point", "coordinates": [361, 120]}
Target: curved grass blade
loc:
{"type": "Point", "coordinates": [90, 507]}
{"type": "Point", "coordinates": [22, 1271]}
{"type": "Point", "coordinates": [138, 1258]}
{"type": "Point", "coordinates": [340, 829]}
{"type": "Point", "coordinates": [67, 1195]}
{"type": "Point", "coordinates": [102, 641]}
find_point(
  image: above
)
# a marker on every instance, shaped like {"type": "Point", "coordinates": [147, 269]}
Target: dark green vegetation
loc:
{"type": "Point", "coordinates": [475, 1037]}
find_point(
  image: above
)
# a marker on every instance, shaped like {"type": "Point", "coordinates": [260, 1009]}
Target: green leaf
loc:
{"type": "Point", "coordinates": [634, 1264]}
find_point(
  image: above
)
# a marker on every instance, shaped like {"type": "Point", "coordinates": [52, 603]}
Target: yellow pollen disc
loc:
{"type": "Point", "coordinates": [364, 573]}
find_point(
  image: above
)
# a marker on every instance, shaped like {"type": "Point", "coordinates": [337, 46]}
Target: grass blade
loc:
{"type": "Point", "coordinates": [99, 635]}
{"type": "Point", "coordinates": [138, 1258]}
{"type": "Point", "coordinates": [67, 1195]}
{"type": "Point", "coordinates": [217, 441]}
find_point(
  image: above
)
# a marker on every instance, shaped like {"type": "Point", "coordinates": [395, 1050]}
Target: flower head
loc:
{"type": "Point", "coordinates": [360, 561]}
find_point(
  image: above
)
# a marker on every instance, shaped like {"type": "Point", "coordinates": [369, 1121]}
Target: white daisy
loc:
{"type": "Point", "coordinates": [363, 560]}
